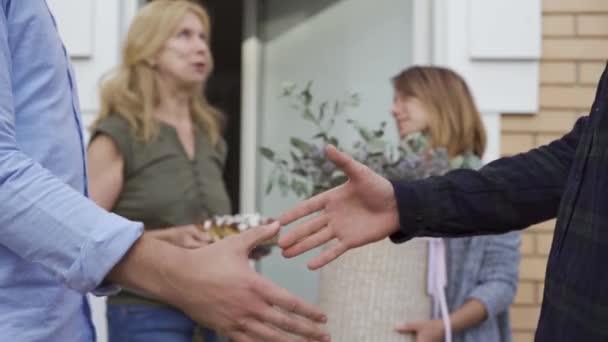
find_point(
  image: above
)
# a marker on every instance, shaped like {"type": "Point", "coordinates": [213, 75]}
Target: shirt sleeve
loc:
{"type": "Point", "coordinates": [496, 284]}
{"type": "Point", "coordinates": [508, 194]}
{"type": "Point", "coordinates": [119, 131]}
{"type": "Point", "coordinates": [42, 219]}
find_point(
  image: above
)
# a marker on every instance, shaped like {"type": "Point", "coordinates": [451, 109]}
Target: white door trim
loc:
{"type": "Point", "coordinates": [441, 55]}
{"type": "Point", "coordinates": [423, 32]}
{"type": "Point", "coordinates": [250, 95]}
{"type": "Point", "coordinates": [127, 11]}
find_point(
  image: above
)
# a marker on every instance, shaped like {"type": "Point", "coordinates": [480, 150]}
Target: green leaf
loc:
{"type": "Point", "coordinates": [376, 146]}
{"type": "Point", "coordinates": [269, 187]}
{"type": "Point", "coordinates": [333, 141]}
{"type": "Point", "coordinates": [355, 100]}
{"type": "Point", "coordinates": [287, 89]}
{"type": "Point", "coordinates": [322, 109]}
{"type": "Point", "coordinates": [364, 134]}
{"type": "Point", "coordinates": [317, 189]}
{"type": "Point", "coordinates": [299, 187]}
{"type": "Point", "coordinates": [306, 95]}
{"type": "Point", "coordinates": [308, 86]}
{"type": "Point", "coordinates": [267, 153]}
{"type": "Point", "coordinates": [321, 136]}
{"type": "Point", "coordinates": [300, 172]}
{"type": "Point", "coordinates": [338, 180]}
{"type": "Point", "coordinates": [283, 179]}
{"type": "Point", "coordinates": [283, 184]}
{"type": "Point", "coordinates": [308, 115]}
{"type": "Point", "coordinates": [301, 145]}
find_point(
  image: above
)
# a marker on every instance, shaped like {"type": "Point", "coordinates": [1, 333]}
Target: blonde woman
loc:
{"type": "Point", "coordinates": [157, 154]}
{"type": "Point", "coordinates": [481, 271]}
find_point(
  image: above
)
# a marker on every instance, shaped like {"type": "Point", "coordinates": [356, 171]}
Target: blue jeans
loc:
{"type": "Point", "coordinates": [139, 323]}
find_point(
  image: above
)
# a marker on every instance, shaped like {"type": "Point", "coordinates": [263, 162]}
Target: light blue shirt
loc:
{"type": "Point", "coordinates": [55, 244]}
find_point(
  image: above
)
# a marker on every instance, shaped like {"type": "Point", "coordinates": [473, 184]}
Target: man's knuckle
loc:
{"type": "Point", "coordinates": [241, 324]}
{"type": "Point", "coordinates": [285, 324]}
{"type": "Point", "coordinates": [292, 306]}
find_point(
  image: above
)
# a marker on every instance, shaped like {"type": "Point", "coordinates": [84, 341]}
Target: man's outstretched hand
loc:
{"type": "Point", "coordinates": [361, 211]}
{"type": "Point", "coordinates": [215, 286]}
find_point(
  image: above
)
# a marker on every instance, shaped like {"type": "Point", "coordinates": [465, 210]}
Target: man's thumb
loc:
{"type": "Point", "coordinates": [258, 235]}
{"type": "Point", "coordinates": [347, 164]}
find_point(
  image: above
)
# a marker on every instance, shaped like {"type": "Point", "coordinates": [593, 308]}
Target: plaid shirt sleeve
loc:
{"type": "Point", "coordinates": [507, 194]}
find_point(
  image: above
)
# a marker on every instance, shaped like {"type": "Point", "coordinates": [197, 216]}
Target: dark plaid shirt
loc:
{"type": "Point", "coordinates": [567, 178]}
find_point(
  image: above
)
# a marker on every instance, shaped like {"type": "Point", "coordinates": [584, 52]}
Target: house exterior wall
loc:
{"type": "Point", "coordinates": [574, 51]}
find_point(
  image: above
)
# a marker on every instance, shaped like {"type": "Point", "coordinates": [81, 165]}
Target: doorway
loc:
{"type": "Point", "coordinates": [224, 85]}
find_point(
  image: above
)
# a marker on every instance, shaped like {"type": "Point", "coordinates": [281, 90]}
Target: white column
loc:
{"type": "Point", "coordinates": [251, 61]}
{"type": "Point", "coordinates": [492, 123]}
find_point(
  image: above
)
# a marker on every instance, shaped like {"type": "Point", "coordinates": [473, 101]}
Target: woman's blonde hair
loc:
{"type": "Point", "coordinates": [454, 121]}
{"type": "Point", "coordinates": [131, 91]}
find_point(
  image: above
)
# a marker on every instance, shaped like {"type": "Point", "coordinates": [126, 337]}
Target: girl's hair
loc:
{"type": "Point", "coordinates": [454, 121]}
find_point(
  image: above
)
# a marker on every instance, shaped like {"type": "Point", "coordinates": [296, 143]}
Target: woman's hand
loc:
{"type": "Point", "coordinates": [186, 236]}
{"type": "Point", "coordinates": [425, 331]}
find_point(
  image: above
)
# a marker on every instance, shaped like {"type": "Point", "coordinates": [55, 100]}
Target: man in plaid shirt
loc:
{"type": "Point", "coordinates": [567, 179]}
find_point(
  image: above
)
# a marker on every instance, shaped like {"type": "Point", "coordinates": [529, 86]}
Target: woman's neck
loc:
{"type": "Point", "coordinates": [174, 106]}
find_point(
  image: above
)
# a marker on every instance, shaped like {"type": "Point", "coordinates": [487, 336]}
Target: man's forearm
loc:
{"type": "Point", "coordinates": [143, 268]}
{"type": "Point", "coordinates": [508, 194]}
{"type": "Point", "coordinates": [215, 286]}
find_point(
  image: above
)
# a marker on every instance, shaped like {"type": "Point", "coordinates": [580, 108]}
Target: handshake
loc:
{"type": "Point", "coordinates": [216, 286]}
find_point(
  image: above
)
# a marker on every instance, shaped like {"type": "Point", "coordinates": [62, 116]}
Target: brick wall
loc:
{"type": "Point", "coordinates": [575, 47]}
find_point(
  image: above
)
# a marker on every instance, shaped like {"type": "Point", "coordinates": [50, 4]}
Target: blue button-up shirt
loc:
{"type": "Point", "coordinates": [55, 244]}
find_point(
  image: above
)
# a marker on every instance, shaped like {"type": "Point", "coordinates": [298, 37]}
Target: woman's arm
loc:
{"type": "Point", "coordinates": [105, 165]}
{"type": "Point", "coordinates": [493, 293]}
{"type": "Point", "coordinates": [470, 314]}
{"type": "Point", "coordinates": [497, 281]}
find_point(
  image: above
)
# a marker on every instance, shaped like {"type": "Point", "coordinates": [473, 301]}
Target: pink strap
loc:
{"type": "Point", "coordinates": [437, 280]}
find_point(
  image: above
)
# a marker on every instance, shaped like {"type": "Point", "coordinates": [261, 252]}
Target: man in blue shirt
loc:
{"type": "Point", "coordinates": [56, 245]}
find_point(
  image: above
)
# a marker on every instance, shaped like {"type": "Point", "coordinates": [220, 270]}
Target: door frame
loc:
{"type": "Point", "coordinates": [128, 10]}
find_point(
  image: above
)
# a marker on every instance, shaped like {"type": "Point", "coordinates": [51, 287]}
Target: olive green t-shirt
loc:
{"type": "Point", "coordinates": [162, 186]}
